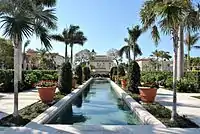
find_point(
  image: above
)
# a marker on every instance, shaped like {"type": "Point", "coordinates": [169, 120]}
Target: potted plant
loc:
{"type": "Point", "coordinates": [124, 81]}
{"type": "Point", "coordinates": [46, 90]}
{"type": "Point", "coordinates": [148, 91]}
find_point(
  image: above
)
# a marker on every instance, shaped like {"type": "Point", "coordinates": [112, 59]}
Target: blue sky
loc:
{"type": "Point", "coordinates": [104, 22]}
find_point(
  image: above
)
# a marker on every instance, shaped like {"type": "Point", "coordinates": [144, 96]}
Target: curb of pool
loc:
{"type": "Point", "coordinates": [51, 112]}
{"type": "Point", "coordinates": [145, 117]}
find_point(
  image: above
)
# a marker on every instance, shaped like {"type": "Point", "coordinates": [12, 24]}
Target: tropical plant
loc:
{"type": "Point", "coordinates": [65, 80]}
{"type": "Point", "coordinates": [172, 16]}
{"type": "Point", "coordinates": [24, 52]}
{"type": "Point", "coordinates": [70, 36]}
{"type": "Point", "coordinates": [190, 41]}
{"type": "Point", "coordinates": [79, 74]}
{"type": "Point", "coordinates": [157, 55]}
{"type": "Point", "coordinates": [134, 77]}
{"type": "Point", "coordinates": [23, 19]}
{"type": "Point", "coordinates": [134, 34]}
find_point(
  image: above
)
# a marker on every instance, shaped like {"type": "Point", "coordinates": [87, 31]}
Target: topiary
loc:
{"type": "Point", "coordinates": [134, 77]}
{"type": "Point", "coordinates": [79, 74]}
{"type": "Point", "coordinates": [86, 72]}
{"type": "Point", "coordinates": [65, 80]}
{"type": "Point", "coordinates": [113, 71]}
{"type": "Point", "coordinates": [121, 71]}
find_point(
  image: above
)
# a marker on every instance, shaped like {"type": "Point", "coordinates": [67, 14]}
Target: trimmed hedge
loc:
{"type": "Point", "coordinates": [190, 83]}
{"type": "Point", "coordinates": [134, 77]}
{"type": "Point", "coordinates": [29, 78]}
{"type": "Point", "coordinates": [65, 80]}
{"type": "Point", "coordinates": [86, 72]}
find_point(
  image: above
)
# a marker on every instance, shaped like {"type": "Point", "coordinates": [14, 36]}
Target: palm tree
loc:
{"type": "Point", "coordinates": [164, 55]}
{"type": "Point", "coordinates": [24, 53]}
{"type": "Point", "coordinates": [70, 36]}
{"type": "Point", "coordinates": [170, 15]}
{"type": "Point", "coordinates": [23, 19]}
{"type": "Point", "coordinates": [190, 42]}
{"type": "Point", "coordinates": [156, 54]}
{"type": "Point", "coordinates": [134, 34]}
{"type": "Point", "coordinates": [77, 38]}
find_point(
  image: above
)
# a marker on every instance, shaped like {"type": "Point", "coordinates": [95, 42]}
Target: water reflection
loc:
{"type": "Point", "coordinates": [78, 102]}
{"type": "Point", "coordinates": [68, 117]}
{"type": "Point", "coordinates": [98, 104]}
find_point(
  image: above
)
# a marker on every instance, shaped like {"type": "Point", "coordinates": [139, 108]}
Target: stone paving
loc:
{"type": "Point", "coordinates": [186, 104]}
{"type": "Point", "coordinates": [100, 129]}
{"type": "Point", "coordinates": [25, 98]}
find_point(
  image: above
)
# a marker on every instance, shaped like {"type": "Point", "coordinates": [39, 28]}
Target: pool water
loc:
{"type": "Point", "coordinates": [97, 105]}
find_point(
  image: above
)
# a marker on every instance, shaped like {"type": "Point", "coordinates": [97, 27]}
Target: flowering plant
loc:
{"type": "Point", "coordinates": [46, 83]}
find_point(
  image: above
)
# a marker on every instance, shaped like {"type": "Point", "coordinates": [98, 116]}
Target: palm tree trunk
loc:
{"type": "Point", "coordinates": [134, 55]}
{"type": "Point", "coordinates": [71, 45]}
{"type": "Point", "coordinates": [180, 54]}
{"type": "Point", "coordinates": [16, 76]}
{"type": "Point", "coordinates": [188, 59]}
{"type": "Point", "coordinates": [20, 61]}
{"type": "Point", "coordinates": [24, 56]}
{"type": "Point", "coordinates": [129, 56]}
{"type": "Point", "coordinates": [175, 41]}
{"type": "Point", "coordinates": [66, 56]}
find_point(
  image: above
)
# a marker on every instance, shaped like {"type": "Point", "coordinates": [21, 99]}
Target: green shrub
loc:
{"type": "Point", "coordinates": [134, 77]}
{"type": "Point", "coordinates": [113, 72]}
{"type": "Point", "coordinates": [121, 71]}
{"type": "Point", "coordinates": [187, 86]}
{"type": "Point", "coordinates": [6, 81]}
{"type": "Point", "coordinates": [79, 74]}
{"type": "Point", "coordinates": [29, 78]}
{"type": "Point", "coordinates": [65, 80]}
{"type": "Point", "coordinates": [169, 83]}
{"type": "Point", "coordinates": [86, 72]}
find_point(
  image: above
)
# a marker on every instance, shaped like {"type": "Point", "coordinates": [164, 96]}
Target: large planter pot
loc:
{"type": "Point", "coordinates": [123, 83]}
{"type": "Point", "coordinates": [74, 81]}
{"type": "Point", "coordinates": [148, 94]}
{"type": "Point", "coordinates": [46, 94]}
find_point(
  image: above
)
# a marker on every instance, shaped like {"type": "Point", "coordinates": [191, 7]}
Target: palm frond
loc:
{"type": "Point", "coordinates": [44, 36]}
{"type": "Point", "coordinates": [147, 14]}
{"type": "Point", "coordinates": [26, 43]}
{"type": "Point", "coordinates": [17, 26]}
{"type": "Point", "coordinates": [48, 3]}
{"type": "Point", "coordinates": [137, 50]}
{"type": "Point", "coordinates": [45, 16]}
{"type": "Point", "coordinates": [197, 47]}
{"type": "Point", "coordinates": [58, 38]}
{"type": "Point", "coordinates": [155, 35]}
{"type": "Point", "coordinates": [123, 50]}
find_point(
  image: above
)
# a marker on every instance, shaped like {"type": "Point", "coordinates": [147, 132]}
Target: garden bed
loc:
{"type": "Point", "coordinates": [28, 113]}
{"type": "Point", "coordinates": [164, 115]}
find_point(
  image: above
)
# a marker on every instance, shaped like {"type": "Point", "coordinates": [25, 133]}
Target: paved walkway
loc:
{"type": "Point", "coordinates": [98, 129]}
{"type": "Point", "coordinates": [186, 105]}
{"type": "Point", "coordinates": [25, 98]}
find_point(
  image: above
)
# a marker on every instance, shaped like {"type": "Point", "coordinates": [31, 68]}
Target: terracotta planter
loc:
{"type": "Point", "coordinates": [46, 94]}
{"type": "Point", "coordinates": [147, 94]}
{"type": "Point", "coordinates": [74, 81]}
{"type": "Point", "coordinates": [123, 83]}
